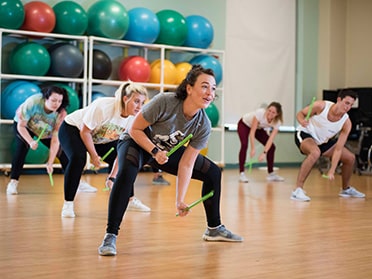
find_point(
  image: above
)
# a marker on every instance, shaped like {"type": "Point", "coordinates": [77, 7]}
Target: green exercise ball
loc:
{"type": "Point", "coordinates": [29, 58]}
{"type": "Point", "coordinates": [38, 156]}
{"type": "Point", "coordinates": [213, 114]}
{"type": "Point", "coordinates": [173, 28]}
{"type": "Point", "coordinates": [109, 19]}
{"type": "Point", "coordinates": [12, 14]}
{"type": "Point", "coordinates": [71, 18]}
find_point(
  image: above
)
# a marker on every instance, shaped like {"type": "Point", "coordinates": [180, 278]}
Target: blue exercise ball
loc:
{"type": "Point", "coordinates": [144, 26]}
{"type": "Point", "coordinates": [109, 19]}
{"type": "Point", "coordinates": [96, 95]}
{"type": "Point", "coordinates": [16, 96]}
{"type": "Point", "coordinates": [12, 14]}
{"type": "Point", "coordinates": [71, 18]}
{"type": "Point", "coordinates": [66, 60]}
{"type": "Point", "coordinates": [200, 32]}
{"type": "Point", "coordinates": [209, 62]}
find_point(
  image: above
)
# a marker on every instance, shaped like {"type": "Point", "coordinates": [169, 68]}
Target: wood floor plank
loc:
{"type": "Point", "coordinates": [325, 238]}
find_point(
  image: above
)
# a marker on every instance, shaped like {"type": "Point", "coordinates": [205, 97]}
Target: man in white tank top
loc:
{"type": "Point", "coordinates": [323, 131]}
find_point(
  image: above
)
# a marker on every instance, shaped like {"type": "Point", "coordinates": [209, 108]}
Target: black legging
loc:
{"type": "Point", "coordinates": [76, 152]}
{"type": "Point", "coordinates": [22, 147]}
{"type": "Point", "coordinates": [131, 158]}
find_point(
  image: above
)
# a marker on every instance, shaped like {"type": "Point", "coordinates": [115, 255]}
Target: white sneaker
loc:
{"type": "Point", "coordinates": [299, 195]}
{"type": "Point", "coordinates": [274, 177]}
{"type": "Point", "coordinates": [86, 188]}
{"type": "Point", "coordinates": [12, 187]}
{"type": "Point", "coordinates": [136, 205]}
{"type": "Point", "coordinates": [68, 209]}
{"type": "Point", "coordinates": [243, 178]}
{"type": "Point", "coordinates": [351, 192]}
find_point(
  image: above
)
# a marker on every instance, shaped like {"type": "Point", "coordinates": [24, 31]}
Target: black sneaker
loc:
{"type": "Point", "coordinates": [221, 234]}
{"type": "Point", "coordinates": [108, 246]}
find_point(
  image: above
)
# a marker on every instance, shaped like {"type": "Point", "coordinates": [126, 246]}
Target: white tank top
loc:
{"type": "Point", "coordinates": [320, 128]}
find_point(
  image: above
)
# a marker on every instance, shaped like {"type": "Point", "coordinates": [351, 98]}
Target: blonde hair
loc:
{"type": "Point", "coordinates": [127, 89]}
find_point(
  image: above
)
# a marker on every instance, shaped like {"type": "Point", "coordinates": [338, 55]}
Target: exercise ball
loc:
{"type": "Point", "coordinates": [199, 32]}
{"type": "Point", "coordinates": [102, 65]}
{"type": "Point", "coordinates": [109, 19]}
{"type": "Point", "coordinates": [39, 17]}
{"type": "Point", "coordinates": [173, 28]}
{"type": "Point", "coordinates": [213, 114]}
{"type": "Point", "coordinates": [12, 14]}
{"type": "Point", "coordinates": [134, 68]}
{"type": "Point", "coordinates": [71, 18]}
{"type": "Point", "coordinates": [66, 60]}
{"type": "Point", "coordinates": [144, 26]}
{"type": "Point", "coordinates": [16, 94]}
{"type": "Point", "coordinates": [29, 59]}
{"type": "Point", "coordinates": [182, 68]}
{"type": "Point", "coordinates": [170, 75]}
{"type": "Point", "coordinates": [96, 95]}
{"type": "Point", "coordinates": [209, 62]}
{"type": "Point", "coordinates": [38, 156]}
{"type": "Point", "coordinates": [73, 97]}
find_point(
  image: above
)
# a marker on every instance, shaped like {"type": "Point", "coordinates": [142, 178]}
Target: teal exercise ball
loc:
{"type": "Point", "coordinates": [144, 26]}
{"type": "Point", "coordinates": [71, 18]}
{"type": "Point", "coordinates": [14, 95]}
{"type": "Point", "coordinates": [213, 114]}
{"type": "Point", "coordinates": [38, 156]}
{"type": "Point", "coordinates": [200, 32]}
{"type": "Point", "coordinates": [29, 59]}
{"type": "Point", "coordinates": [209, 62]}
{"type": "Point", "coordinates": [109, 19]}
{"type": "Point", "coordinates": [12, 14]}
{"type": "Point", "coordinates": [173, 28]}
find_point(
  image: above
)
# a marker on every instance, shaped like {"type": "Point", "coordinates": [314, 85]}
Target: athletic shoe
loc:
{"type": "Point", "coordinates": [274, 177]}
{"type": "Point", "coordinates": [243, 178]}
{"type": "Point", "coordinates": [160, 181]}
{"type": "Point", "coordinates": [108, 246]}
{"type": "Point", "coordinates": [68, 210]}
{"type": "Point", "coordinates": [299, 195]}
{"type": "Point", "coordinates": [136, 205]}
{"type": "Point", "coordinates": [221, 234]}
{"type": "Point", "coordinates": [86, 188]}
{"type": "Point", "coordinates": [351, 192]}
{"type": "Point", "coordinates": [12, 187]}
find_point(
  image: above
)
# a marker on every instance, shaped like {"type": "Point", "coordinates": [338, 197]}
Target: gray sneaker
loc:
{"type": "Point", "coordinates": [221, 234]}
{"type": "Point", "coordinates": [108, 246]}
{"type": "Point", "coordinates": [160, 181]}
{"type": "Point", "coordinates": [351, 192]}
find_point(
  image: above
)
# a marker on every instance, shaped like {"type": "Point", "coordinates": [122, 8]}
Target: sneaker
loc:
{"type": "Point", "coordinates": [12, 187]}
{"type": "Point", "coordinates": [221, 234]}
{"type": "Point", "coordinates": [108, 246]}
{"type": "Point", "coordinates": [136, 205]}
{"type": "Point", "coordinates": [68, 210]}
{"type": "Point", "coordinates": [86, 188]}
{"type": "Point", "coordinates": [160, 181]}
{"type": "Point", "coordinates": [274, 177]}
{"type": "Point", "coordinates": [243, 178]}
{"type": "Point", "coordinates": [351, 192]}
{"type": "Point", "coordinates": [299, 195]}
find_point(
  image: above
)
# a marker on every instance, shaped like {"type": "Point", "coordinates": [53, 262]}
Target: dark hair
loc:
{"type": "Point", "coordinates": [347, 93]}
{"type": "Point", "coordinates": [49, 90]}
{"type": "Point", "coordinates": [190, 79]}
{"type": "Point", "coordinates": [279, 110]}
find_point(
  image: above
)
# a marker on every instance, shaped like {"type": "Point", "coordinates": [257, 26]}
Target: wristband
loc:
{"type": "Point", "coordinates": [113, 179]}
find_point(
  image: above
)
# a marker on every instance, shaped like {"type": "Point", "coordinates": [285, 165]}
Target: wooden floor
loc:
{"type": "Point", "coordinates": [329, 237]}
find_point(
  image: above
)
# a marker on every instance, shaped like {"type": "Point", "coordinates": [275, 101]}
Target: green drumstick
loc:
{"type": "Point", "coordinates": [51, 179]}
{"type": "Point", "coordinates": [174, 149]}
{"type": "Point", "coordinates": [207, 196]}
{"type": "Point", "coordinates": [310, 109]}
{"type": "Point", "coordinates": [42, 132]}
{"type": "Point", "coordinates": [105, 156]}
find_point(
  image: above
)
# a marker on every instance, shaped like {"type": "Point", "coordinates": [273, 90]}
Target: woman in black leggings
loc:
{"type": "Point", "coordinates": [162, 123]}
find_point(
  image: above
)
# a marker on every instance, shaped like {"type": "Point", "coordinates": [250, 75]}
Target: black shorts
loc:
{"type": "Point", "coordinates": [300, 136]}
